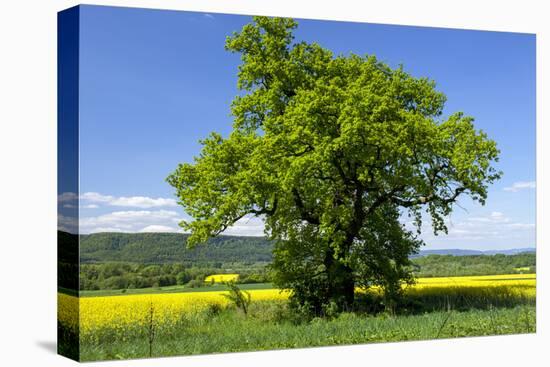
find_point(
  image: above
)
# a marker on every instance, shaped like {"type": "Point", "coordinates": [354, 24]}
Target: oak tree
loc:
{"type": "Point", "coordinates": [332, 151]}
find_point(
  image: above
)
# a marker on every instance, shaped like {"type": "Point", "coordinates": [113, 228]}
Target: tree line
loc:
{"type": "Point", "coordinates": [124, 275]}
{"type": "Point", "coordinates": [120, 275]}
{"type": "Point", "coordinates": [449, 265]}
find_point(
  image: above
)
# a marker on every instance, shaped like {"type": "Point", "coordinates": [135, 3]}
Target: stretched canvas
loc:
{"type": "Point", "coordinates": [240, 183]}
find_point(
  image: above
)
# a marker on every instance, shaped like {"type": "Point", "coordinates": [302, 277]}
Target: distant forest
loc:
{"type": "Point", "coordinates": [116, 275]}
{"type": "Point", "coordinates": [143, 260]}
{"type": "Point", "coordinates": [167, 248]}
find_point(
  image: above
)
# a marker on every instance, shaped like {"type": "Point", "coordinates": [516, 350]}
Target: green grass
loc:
{"type": "Point", "coordinates": [422, 315]}
{"type": "Point", "coordinates": [169, 289]}
{"type": "Point", "coordinates": [269, 325]}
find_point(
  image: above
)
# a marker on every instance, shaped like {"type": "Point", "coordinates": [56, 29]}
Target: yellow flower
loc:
{"type": "Point", "coordinates": [124, 312]}
{"type": "Point", "coordinates": [220, 278]}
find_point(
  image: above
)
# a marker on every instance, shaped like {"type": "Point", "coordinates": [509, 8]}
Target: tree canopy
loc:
{"type": "Point", "coordinates": [331, 150]}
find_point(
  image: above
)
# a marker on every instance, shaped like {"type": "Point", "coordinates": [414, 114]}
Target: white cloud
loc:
{"type": "Point", "coordinates": [494, 217]}
{"type": "Point", "coordinates": [209, 16]}
{"type": "Point", "coordinates": [92, 200]}
{"type": "Point", "coordinates": [482, 231]}
{"type": "Point", "coordinates": [159, 221]}
{"type": "Point", "coordinates": [132, 221]}
{"type": "Point", "coordinates": [521, 185]}
{"type": "Point", "coordinates": [490, 228]}
{"type": "Point", "coordinates": [89, 206]}
{"type": "Point", "coordinates": [157, 228]}
{"type": "Point", "coordinates": [247, 226]}
{"type": "Point", "coordinates": [66, 197]}
{"type": "Point", "coordinates": [96, 197]}
{"type": "Point", "coordinates": [498, 216]}
{"type": "Point", "coordinates": [67, 224]}
{"type": "Point", "coordinates": [143, 202]}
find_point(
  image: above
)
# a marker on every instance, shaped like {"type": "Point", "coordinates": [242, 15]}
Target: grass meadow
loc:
{"type": "Point", "coordinates": [169, 323]}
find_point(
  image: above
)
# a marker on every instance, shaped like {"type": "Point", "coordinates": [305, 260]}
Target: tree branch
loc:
{"type": "Point", "coordinates": [265, 210]}
{"type": "Point", "coordinates": [427, 199]}
{"type": "Point", "coordinates": [304, 214]}
{"type": "Point", "coordinates": [385, 197]}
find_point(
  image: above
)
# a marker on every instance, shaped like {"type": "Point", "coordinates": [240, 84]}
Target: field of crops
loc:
{"type": "Point", "coordinates": [134, 311]}
{"type": "Point", "coordinates": [127, 312]}
{"type": "Point", "coordinates": [161, 324]}
{"type": "Point", "coordinates": [519, 284]}
{"type": "Point", "coordinates": [220, 278]}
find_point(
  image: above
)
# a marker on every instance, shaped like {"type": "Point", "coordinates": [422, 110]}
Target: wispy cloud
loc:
{"type": "Point", "coordinates": [132, 221]}
{"type": "Point", "coordinates": [128, 201]}
{"type": "Point", "coordinates": [73, 206]}
{"type": "Point", "coordinates": [521, 185]}
{"type": "Point", "coordinates": [92, 200]}
{"type": "Point", "coordinates": [138, 220]}
{"type": "Point", "coordinates": [247, 226]}
{"type": "Point", "coordinates": [208, 15]}
{"type": "Point", "coordinates": [157, 228]}
{"type": "Point", "coordinates": [494, 226]}
{"type": "Point", "coordinates": [67, 223]}
{"type": "Point", "coordinates": [66, 197]}
{"type": "Point", "coordinates": [494, 217]}
{"type": "Point", "coordinates": [489, 228]}
{"type": "Point", "coordinates": [154, 221]}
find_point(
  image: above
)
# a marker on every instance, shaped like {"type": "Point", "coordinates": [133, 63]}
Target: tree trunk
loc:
{"type": "Point", "coordinates": [341, 284]}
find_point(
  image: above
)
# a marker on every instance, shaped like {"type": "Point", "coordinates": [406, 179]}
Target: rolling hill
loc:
{"type": "Point", "coordinates": [159, 248]}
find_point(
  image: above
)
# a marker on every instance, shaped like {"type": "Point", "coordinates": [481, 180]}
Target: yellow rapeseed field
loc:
{"type": "Point", "coordinates": [125, 312]}
{"type": "Point", "coordinates": [517, 284]}
{"type": "Point", "coordinates": [220, 278]}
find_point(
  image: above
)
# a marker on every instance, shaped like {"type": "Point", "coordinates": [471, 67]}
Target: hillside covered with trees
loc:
{"type": "Point", "coordinates": [168, 248]}
{"type": "Point", "coordinates": [145, 260]}
{"type": "Point", "coordinates": [165, 248]}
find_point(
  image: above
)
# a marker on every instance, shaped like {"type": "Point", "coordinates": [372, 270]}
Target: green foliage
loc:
{"type": "Point", "coordinates": [383, 257]}
{"type": "Point", "coordinates": [254, 276]}
{"type": "Point", "coordinates": [67, 260]}
{"type": "Point", "coordinates": [270, 327]}
{"type": "Point", "coordinates": [182, 277]}
{"type": "Point", "coordinates": [129, 275]}
{"type": "Point", "coordinates": [195, 283]}
{"type": "Point", "coordinates": [448, 265]}
{"type": "Point", "coordinates": [248, 255]}
{"type": "Point", "coordinates": [68, 342]}
{"type": "Point", "coordinates": [323, 147]}
{"type": "Point", "coordinates": [158, 248]}
{"type": "Point", "coordinates": [241, 299]}
{"type": "Point", "coordinates": [121, 275]}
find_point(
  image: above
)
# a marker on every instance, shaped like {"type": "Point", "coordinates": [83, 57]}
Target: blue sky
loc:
{"type": "Point", "coordinates": [152, 83]}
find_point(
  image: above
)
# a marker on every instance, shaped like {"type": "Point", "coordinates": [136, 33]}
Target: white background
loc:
{"type": "Point", "coordinates": [28, 182]}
